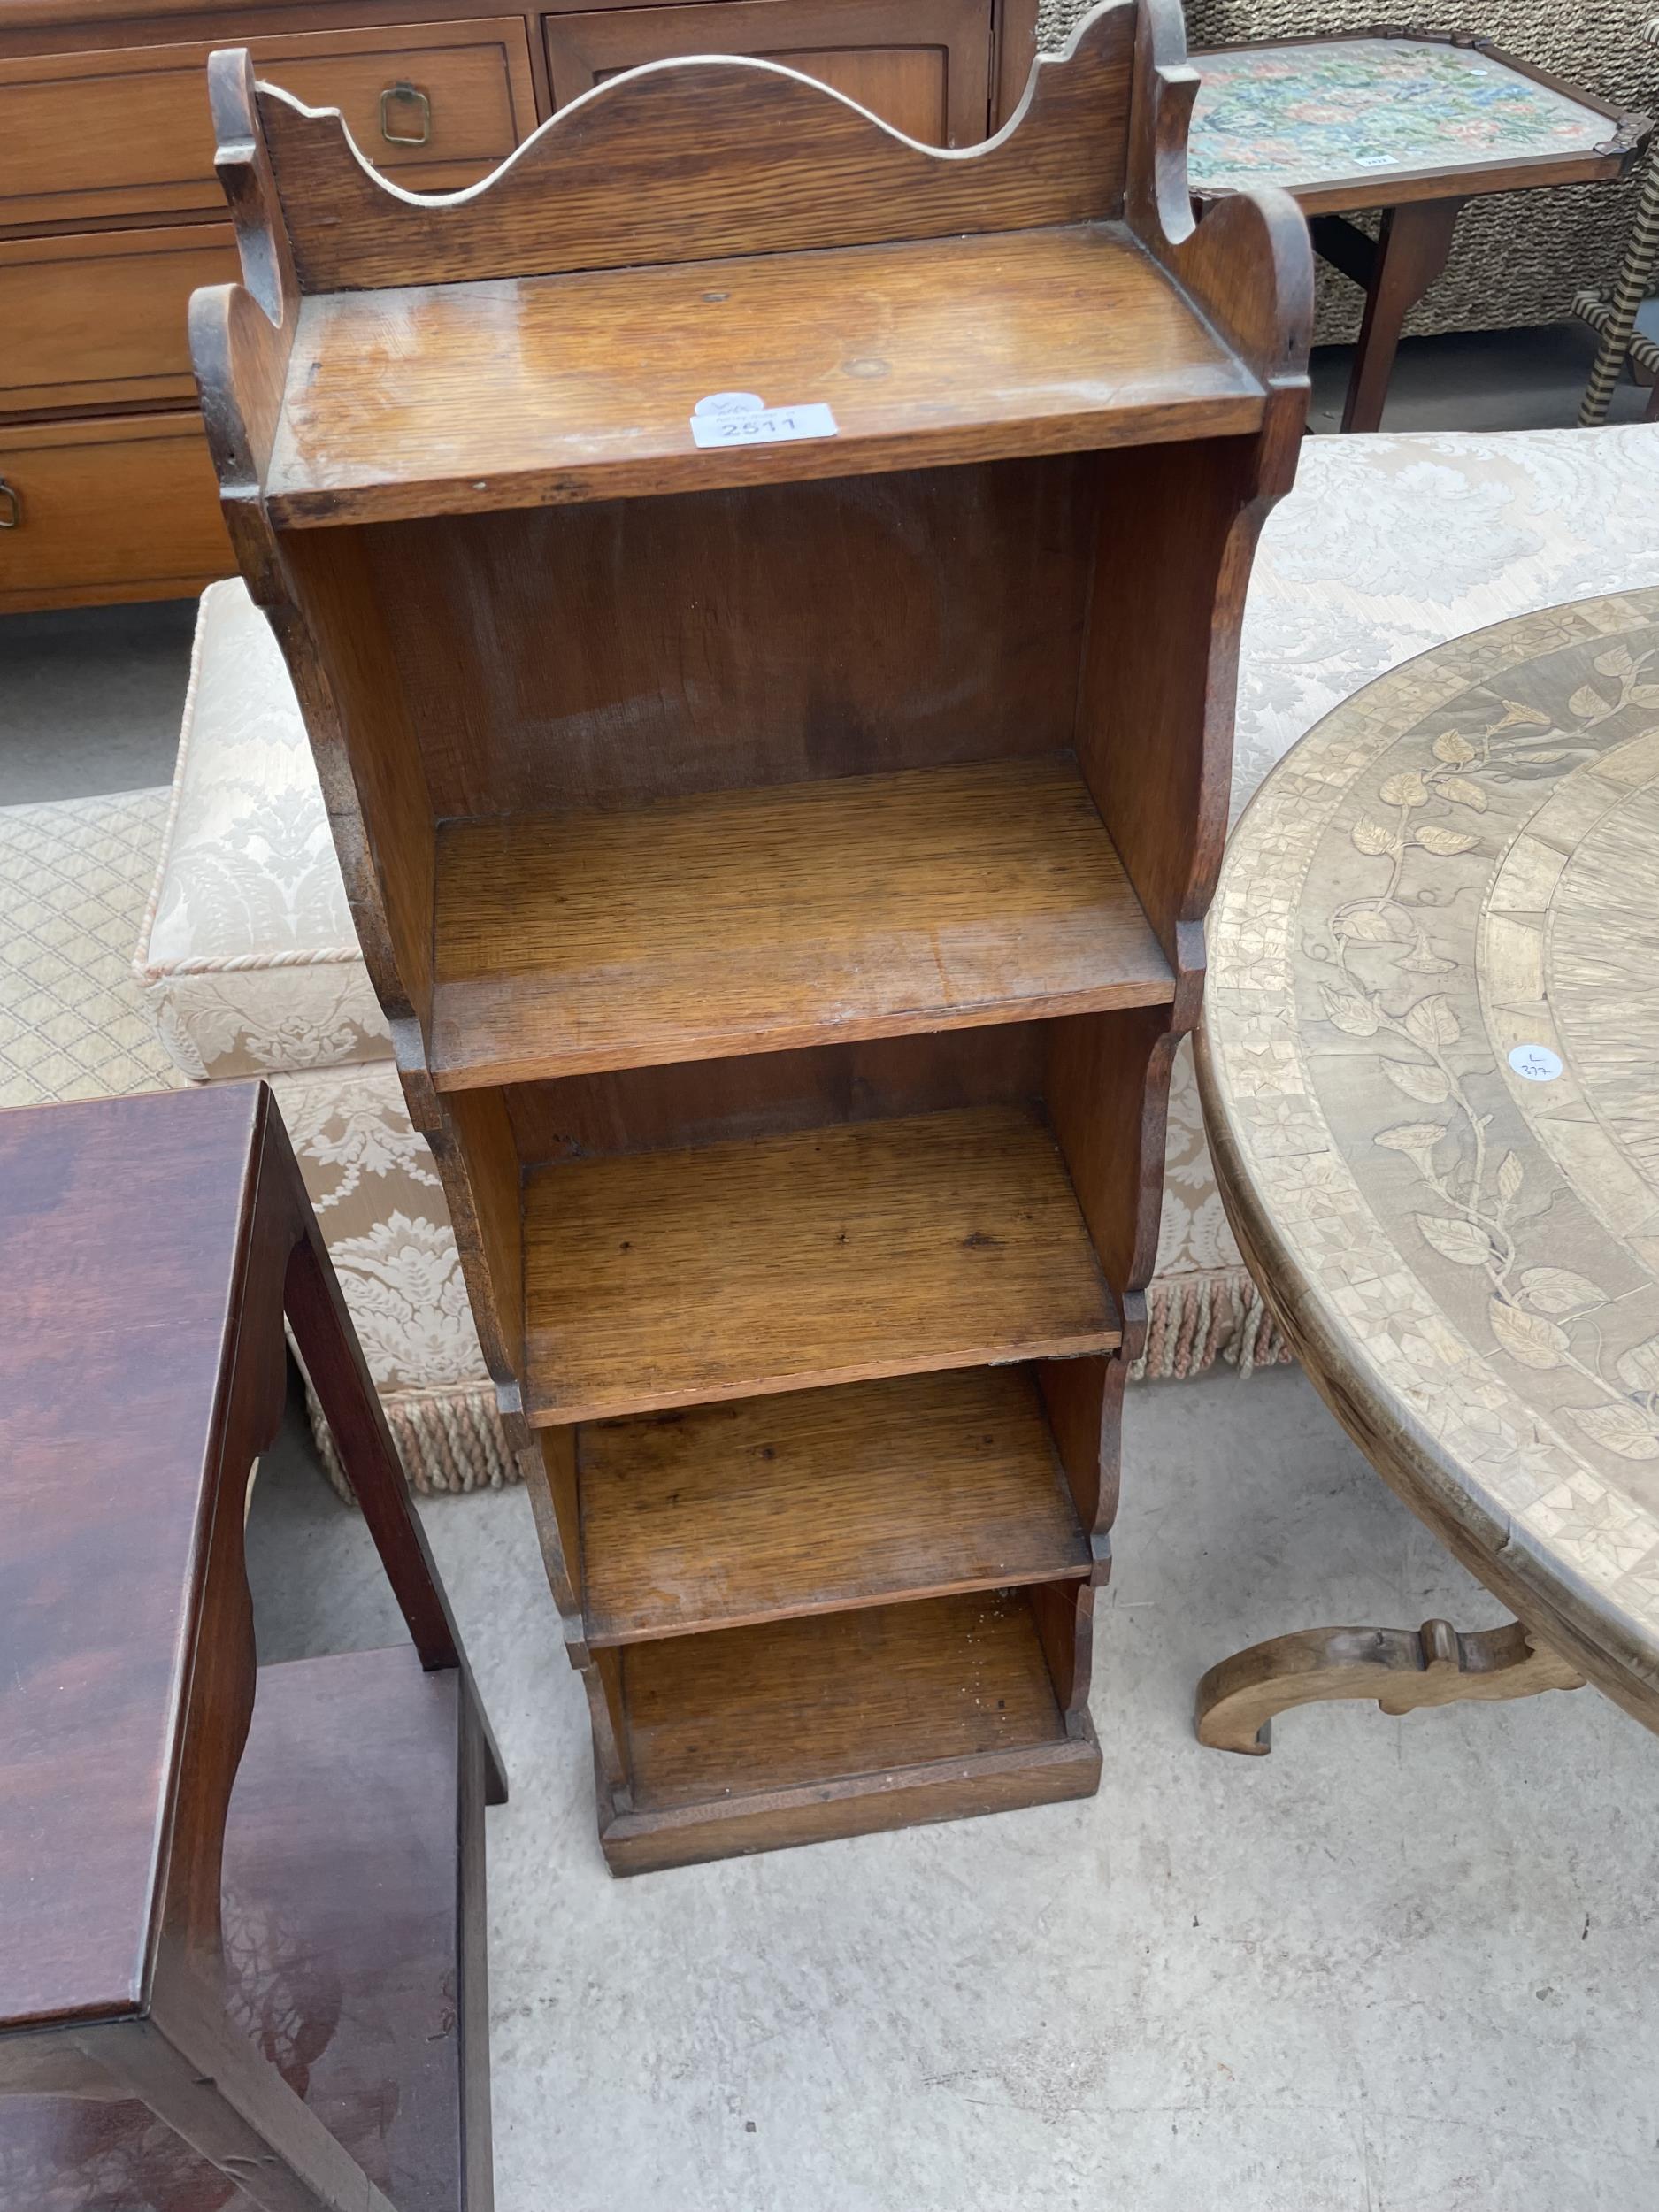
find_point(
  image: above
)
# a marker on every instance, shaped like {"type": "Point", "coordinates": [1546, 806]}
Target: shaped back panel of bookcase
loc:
{"type": "Point", "coordinates": [690, 161]}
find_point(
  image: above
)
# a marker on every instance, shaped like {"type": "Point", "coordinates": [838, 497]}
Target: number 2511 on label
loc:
{"type": "Point", "coordinates": [770, 425]}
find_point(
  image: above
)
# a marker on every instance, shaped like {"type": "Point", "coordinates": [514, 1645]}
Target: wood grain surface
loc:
{"type": "Point", "coordinates": [821, 1500]}
{"type": "Point", "coordinates": [462, 398]}
{"type": "Point", "coordinates": [610, 709]}
{"type": "Point", "coordinates": [97, 318]}
{"type": "Point", "coordinates": [693, 160]}
{"type": "Point", "coordinates": [751, 1710]}
{"type": "Point", "coordinates": [734, 922]}
{"type": "Point", "coordinates": [663, 1278]}
{"type": "Point", "coordinates": [764, 1093]}
{"type": "Point", "coordinates": [343, 1950]}
{"type": "Point", "coordinates": [111, 133]}
{"type": "Point", "coordinates": [629, 650]}
{"type": "Point", "coordinates": [108, 1328]}
{"type": "Point", "coordinates": [1069, 1766]}
{"type": "Point", "coordinates": [925, 66]}
{"type": "Point", "coordinates": [1405, 1670]}
{"type": "Point", "coordinates": [115, 508]}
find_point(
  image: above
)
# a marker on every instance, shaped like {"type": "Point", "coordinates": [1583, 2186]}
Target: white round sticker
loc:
{"type": "Point", "coordinates": [730, 403]}
{"type": "Point", "coordinates": [1536, 1062]}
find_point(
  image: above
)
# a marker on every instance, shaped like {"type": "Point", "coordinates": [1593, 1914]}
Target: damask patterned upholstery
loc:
{"type": "Point", "coordinates": [250, 962]}
{"type": "Point", "coordinates": [1388, 545]}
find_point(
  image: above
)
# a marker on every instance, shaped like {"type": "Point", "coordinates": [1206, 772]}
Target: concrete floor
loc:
{"type": "Point", "coordinates": [90, 698]}
{"type": "Point", "coordinates": [1399, 1966]}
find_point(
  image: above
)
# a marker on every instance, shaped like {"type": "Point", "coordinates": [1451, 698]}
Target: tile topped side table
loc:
{"type": "Point", "coordinates": [244, 1958]}
{"type": "Point", "coordinates": [1429, 1070]}
{"type": "Point", "coordinates": [1412, 122]}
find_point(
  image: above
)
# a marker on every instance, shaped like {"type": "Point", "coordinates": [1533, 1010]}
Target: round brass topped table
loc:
{"type": "Point", "coordinates": [1429, 1070]}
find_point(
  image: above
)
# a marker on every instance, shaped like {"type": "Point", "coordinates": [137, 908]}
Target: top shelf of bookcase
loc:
{"type": "Point", "coordinates": [464, 398]}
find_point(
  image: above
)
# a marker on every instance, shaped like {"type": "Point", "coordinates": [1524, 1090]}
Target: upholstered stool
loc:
{"type": "Point", "coordinates": [249, 963]}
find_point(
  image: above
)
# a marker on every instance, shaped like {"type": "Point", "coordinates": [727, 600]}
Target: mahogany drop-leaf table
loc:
{"type": "Point", "coordinates": [244, 1951]}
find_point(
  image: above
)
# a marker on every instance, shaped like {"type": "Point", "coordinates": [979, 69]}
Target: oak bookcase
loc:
{"type": "Point", "coordinates": [783, 863]}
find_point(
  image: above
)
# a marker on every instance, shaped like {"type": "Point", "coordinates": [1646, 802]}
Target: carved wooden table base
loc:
{"type": "Point", "coordinates": [1402, 1668]}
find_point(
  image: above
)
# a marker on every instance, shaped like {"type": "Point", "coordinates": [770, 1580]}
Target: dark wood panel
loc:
{"type": "Point", "coordinates": [630, 650]}
{"type": "Point", "coordinates": [343, 1950]}
{"type": "Point", "coordinates": [764, 1093]}
{"type": "Point", "coordinates": [1197, 508]}
{"type": "Point", "coordinates": [348, 673]}
{"type": "Point", "coordinates": [108, 1330]}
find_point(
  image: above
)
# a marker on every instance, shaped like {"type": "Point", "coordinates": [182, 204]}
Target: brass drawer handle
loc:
{"type": "Point", "coordinates": [418, 100]}
{"type": "Point", "coordinates": [11, 507]}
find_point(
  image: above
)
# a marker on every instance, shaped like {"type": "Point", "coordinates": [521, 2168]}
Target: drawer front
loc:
{"type": "Point", "coordinates": [923, 65]}
{"type": "Point", "coordinates": [125, 131]}
{"type": "Point", "coordinates": [99, 319]}
{"type": "Point", "coordinates": [124, 508]}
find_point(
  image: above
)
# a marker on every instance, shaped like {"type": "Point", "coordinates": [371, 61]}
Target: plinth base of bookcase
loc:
{"type": "Point", "coordinates": [953, 1789]}
{"type": "Point", "coordinates": [840, 1725]}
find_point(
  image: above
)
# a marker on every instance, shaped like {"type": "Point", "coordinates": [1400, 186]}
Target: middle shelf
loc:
{"type": "Point", "coordinates": [820, 1256]}
{"type": "Point", "coordinates": [768, 919]}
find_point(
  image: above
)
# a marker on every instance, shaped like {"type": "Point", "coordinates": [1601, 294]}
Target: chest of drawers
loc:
{"type": "Point", "coordinates": [111, 215]}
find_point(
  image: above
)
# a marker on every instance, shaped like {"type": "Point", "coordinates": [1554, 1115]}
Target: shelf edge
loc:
{"type": "Point", "coordinates": [1081, 1344]}
{"type": "Point", "coordinates": [1067, 1767]}
{"type": "Point", "coordinates": [385, 499]}
{"type": "Point", "coordinates": [1081, 1568]}
{"type": "Point", "coordinates": [450, 1074]}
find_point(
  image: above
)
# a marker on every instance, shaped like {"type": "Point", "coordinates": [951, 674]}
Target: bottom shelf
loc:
{"type": "Point", "coordinates": [348, 1954]}
{"type": "Point", "coordinates": [836, 1725]}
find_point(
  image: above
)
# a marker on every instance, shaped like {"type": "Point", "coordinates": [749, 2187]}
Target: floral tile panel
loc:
{"type": "Point", "coordinates": [1300, 115]}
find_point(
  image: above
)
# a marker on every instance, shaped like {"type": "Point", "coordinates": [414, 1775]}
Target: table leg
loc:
{"type": "Point", "coordinates": [1409, 253]}
{"type": "Point", "coordinates": [328, 1344]}
{"type": "Point", "coordinates": [1402, 1668]}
